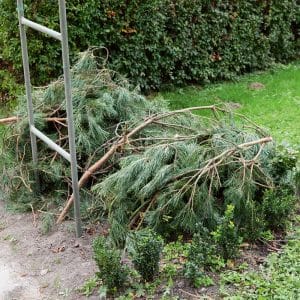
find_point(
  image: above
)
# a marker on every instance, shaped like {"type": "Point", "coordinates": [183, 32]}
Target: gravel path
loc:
{"type": "Point", "coordinates": [13, 284]}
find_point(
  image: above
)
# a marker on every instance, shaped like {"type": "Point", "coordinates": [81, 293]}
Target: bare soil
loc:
{"type": "Point", "coordinates": [35, 266]}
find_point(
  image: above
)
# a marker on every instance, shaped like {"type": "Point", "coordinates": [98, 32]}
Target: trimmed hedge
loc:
{"type": "Point", "coordinates": [157, 42]}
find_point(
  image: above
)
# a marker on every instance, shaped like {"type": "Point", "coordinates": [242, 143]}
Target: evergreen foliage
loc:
{"type": "Point", "coordinates": [201, 256]}
{"type": "Point", "coordinates": [285, 168]}
{"type": "Point", "coordinates": [173, 186]}
{"type": "Point", "coordinates": [159, 42]}
{"type": "Point", "coordinates": [252, 224]}
{"type": "Point", "coordinates": [226, 235]}
{"type": "Point", "coordinates": [277, 206]}
{"type": "Point", "coordinates": [146, 247]}
{"type": "Point", "coordinates": [111, 272]}
{"type": "Point", "coordinates": [103, 104]}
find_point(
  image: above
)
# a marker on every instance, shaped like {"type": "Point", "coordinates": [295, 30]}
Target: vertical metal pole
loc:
{"type": "Point", "coordinates": [28, 90]}
{"type": "Point", "coordinates": [71, 130]}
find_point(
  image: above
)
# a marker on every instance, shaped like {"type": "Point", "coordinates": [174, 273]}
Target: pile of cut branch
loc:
{"type": "Point", "coordinates": [139, 163]}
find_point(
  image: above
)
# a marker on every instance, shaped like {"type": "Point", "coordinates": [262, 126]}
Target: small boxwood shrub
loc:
{"type": "Point", "coordinates": [284, 168]}
{"type": "Point", "coordinates": [252, 224]}
{"type": "Point", "coordinates": [111, 272]}
{"type": "Point", "coordinates": [145, 250]}
{"type": "Point", "coordinates": [226, 235]}
{"type": "Point", "coordinates": [157, 42]}
{"type": "Point", "coordinates": [202, 255]}
{"type": "Point", "coordinates": [278, 206]}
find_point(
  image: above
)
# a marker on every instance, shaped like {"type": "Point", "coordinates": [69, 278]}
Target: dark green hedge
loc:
{"type": "Point", "coordinates": [157, 42]}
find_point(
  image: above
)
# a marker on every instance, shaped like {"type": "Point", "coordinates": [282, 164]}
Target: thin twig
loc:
{"type": "Point", "coordinates": [195, 296]}
{"type": "Point", "coordinates": [33, 215]}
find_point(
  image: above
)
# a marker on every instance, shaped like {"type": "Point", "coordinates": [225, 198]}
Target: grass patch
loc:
{"type": "Point", "coordinates": [275, 106]}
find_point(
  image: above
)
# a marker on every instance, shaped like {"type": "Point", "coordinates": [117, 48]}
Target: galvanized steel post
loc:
{"type": "Point", "coordinates": [28, 90]}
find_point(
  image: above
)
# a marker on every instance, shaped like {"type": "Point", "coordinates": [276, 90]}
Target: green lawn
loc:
{"type": "Point", "coordinates": [275, 107]}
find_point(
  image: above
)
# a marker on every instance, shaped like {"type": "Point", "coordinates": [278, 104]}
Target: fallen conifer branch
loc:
{"type": "Point", "coordinates": [214, 162]}
{"type": "Point", "coordinates": [192, 181]}
{"type": "Point", "coordinates": [120, 143]}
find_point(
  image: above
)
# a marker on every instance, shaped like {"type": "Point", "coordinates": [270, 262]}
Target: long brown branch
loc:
{"type": "Point", "coordinates": [11, 120]}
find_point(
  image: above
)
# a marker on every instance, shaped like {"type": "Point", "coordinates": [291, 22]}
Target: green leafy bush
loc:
{"type": "Point", "coordinates": [156, 42]}
{"type": "Point", "coordinates": [279, 203]}
{"type": "Point", "coordinates": [9, 87]}
{"type": "Point", "coordinates": [174, 250]}
{"type": "Point", "coordinates": [277, 206]}
{"type": "Point", "coordinates": [146, 248]}
{"type": "Point", "coordinates": [252, 223]}
{"type": "Point", "coordinates": [284, 169]}
{"type": "Point", "coordinates": [226, 235]}
{"type": "Point", "coordinates": [201, 255]}
{"type": "Point", "coordinates": [112, 273]}
{"type": "Point", "coordinates": [254, 218]}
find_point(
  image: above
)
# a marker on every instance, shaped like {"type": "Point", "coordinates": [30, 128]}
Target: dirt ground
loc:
{"type": "Point", "coordinates": [35, 266]}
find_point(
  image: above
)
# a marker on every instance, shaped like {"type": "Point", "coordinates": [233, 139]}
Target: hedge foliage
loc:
{"type": "Point", "coordinates": [157, 42]}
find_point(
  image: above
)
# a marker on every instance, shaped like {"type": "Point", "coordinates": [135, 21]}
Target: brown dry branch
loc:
{"type": "Point", "coordinates": [217, 160]}
{"type": "Point", "coordinates": [11, 120]}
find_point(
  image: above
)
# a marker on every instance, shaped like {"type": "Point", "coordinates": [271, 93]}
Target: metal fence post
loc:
{"type": "Point", "coordinates": [28, 91]}
{"type": "Point", "coordinates": [71, 130]}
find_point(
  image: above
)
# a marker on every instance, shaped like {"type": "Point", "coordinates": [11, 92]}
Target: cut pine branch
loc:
{"type": "Point", "coordinates": [123, 141]}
